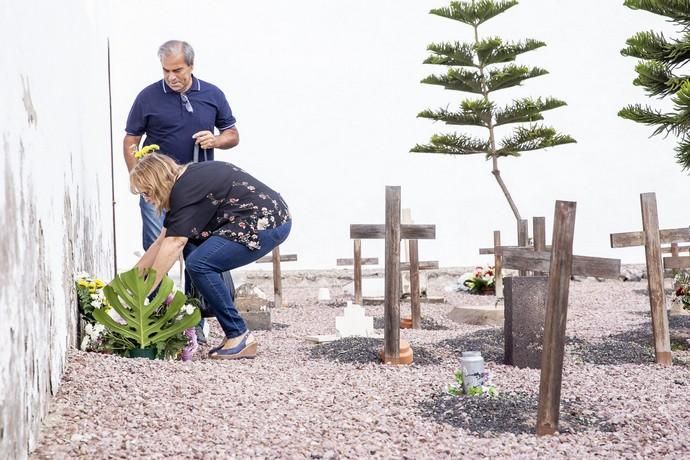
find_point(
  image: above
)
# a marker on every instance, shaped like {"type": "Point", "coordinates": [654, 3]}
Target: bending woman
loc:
{"type": "Point", "coordinates": [226, 219]}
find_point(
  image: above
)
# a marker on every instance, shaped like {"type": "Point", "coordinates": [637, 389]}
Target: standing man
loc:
{"type": "Point", "coordinates": [179, 114]}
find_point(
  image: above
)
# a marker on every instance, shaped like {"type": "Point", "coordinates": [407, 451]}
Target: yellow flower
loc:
{"type": "Point", "coordinates": [99, 283]}
{"type": "Point", "coordinates": [145, 151]}
{"type": "Point", "coordinates": [82, 283]}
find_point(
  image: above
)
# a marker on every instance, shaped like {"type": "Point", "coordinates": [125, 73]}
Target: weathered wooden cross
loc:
{"type": "Point", "coordinates": [392, 231]}
{"type": "Point", "coordinates": [652, 238]}
{"type": "Point", "coordinates": [539, 241]}
{"type": "Point", "coordinates": [357, 263]}
{"type": "Point", "coordinates": [560, 265]}
{"type": "Point", "coordinates": [275, 258]}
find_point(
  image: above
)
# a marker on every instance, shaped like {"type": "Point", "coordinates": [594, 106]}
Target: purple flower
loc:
{"type": "Point", "coordinates": [169, 299]}
{"type": "Point", "coordinates": [192, 345]}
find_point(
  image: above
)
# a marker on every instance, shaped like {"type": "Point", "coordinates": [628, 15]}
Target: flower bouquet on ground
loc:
{"type": "Point", "coordinates": [682, 292]}
{"type": "Point", "coordinates": [121, 319]}
{"type": "Point", "coordinates": [480, 281]}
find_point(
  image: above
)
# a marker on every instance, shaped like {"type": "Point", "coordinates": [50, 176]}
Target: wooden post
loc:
{"type": "Point", "coordinates": [391, 314]}
{"type": "Point", "coordinates": [556, 314]}
{"type": "Point", "coordinates": [655, 278]}
{"type": "Point", "coordinates": [523, 237]}
{"type": "Point", "coordinates": [498, 262]}
{"type": "Point", "coordinates": [414, 285]}
{"type": "Point", "coordinates": [358, 271]}
{"type": "Point", "coordinates": [275, 258]}
{"type": "Point", "coordinates": [675, 252]}
{"type": "Point", "coordinates": [539, 234]}
{"type": "Point", "coordinates": [277, 279]}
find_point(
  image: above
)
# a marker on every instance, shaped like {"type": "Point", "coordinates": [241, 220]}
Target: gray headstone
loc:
{"type": "Point", "coordinates": [525, 310]}
{"type": "Point", "coordinates": [257, 320]}
{"type": "Point", "coordinates": [252, 305]}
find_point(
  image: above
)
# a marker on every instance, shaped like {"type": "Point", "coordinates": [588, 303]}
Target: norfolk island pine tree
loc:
{"type": "Point", "coordinates": [482, 67]}
{"type": "Point", "coordinates": [658, 73]}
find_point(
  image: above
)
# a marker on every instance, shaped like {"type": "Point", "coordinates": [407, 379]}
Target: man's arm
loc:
{"type": "Point", "coordinates": [130, 145]}
{"type": "Point", "coordinates": [227, 139]}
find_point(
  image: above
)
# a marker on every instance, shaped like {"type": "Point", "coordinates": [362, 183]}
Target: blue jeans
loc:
{"type": "Point", "coordinates": [152, 223]}
{"type": "Point", "coordinates": [210, 259]}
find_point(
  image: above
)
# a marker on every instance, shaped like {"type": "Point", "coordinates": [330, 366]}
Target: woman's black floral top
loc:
{"type": "Point", "coordinates": [218, 198]}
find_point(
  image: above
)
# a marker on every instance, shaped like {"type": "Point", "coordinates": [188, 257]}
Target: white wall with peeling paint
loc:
{"type": "Point", "coordinates": [55, 197]}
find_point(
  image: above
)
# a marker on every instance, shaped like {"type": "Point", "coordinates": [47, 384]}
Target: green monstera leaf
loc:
{"type": "Point", "coordinates": [147, 322]}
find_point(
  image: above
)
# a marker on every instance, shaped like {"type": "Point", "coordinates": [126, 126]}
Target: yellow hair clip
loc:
{"type": "Point", "coordinates": [145, 151]}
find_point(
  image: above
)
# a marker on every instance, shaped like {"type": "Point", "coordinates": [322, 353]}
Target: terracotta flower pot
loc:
{"type": "Point", "coordinates": [406, 355]}
{"type": "Point", "coordinates": [406, 322]}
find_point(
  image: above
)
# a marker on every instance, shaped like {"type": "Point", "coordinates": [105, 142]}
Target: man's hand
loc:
{"type": "Point", "coordinates": [227, 139]}
{"type": "Point", "coordinates": [205, 139]}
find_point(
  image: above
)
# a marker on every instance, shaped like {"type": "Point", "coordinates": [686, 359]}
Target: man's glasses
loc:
{"type": "Point", "coordinates": [187, 104]}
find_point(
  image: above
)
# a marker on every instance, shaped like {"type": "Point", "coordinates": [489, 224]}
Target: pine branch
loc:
{"type": "Point", "coordinates": [457, 80]}
{"type": "Point", "coordinates": [531, 138]}
{"type": "Point", "coordinates": [494, 51]}
{"type": "Point", "coordinates": [472, 113]}
{"type": "Point", "coordinates": [511, 75]}
{"type": "Point", "coordinates": [657, 79]}
{"type": "Point", "coordinates": [683, 153]}
{"type": "Point", "coordinates": [648, 116]}
{"type": "Point", "coordinates": [475, 12]}
{"type": "Point", "coordinates": [677, 10]}
{"type": "Point", "coordinates": [526, 110]}
{"type": "Point", "coordinates": [654, 46]}
{"type": "Point", "coordinates": [451, 54]}
{"type": "Point", "coordinates": [453, 144]}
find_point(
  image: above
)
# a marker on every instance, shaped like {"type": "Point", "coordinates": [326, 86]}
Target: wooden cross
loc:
{"type": "Point", "coordinates": [357, 262]}
{"type": "Point", "coordinates": [539, 241]}
{"type": "Point", "coordinates": [392, 231]}
{"type": "Point", "coordinates": [276, 259]}
{"type": "Point", "coordinates": [561, 264]}
{"type": "Point", "coordinates": [652, 238]}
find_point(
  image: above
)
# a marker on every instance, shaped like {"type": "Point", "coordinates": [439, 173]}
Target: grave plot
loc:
{"type": "Point", "coordinates": [393, 232]}
{"type": "Point", "coordinates": [651, 237]}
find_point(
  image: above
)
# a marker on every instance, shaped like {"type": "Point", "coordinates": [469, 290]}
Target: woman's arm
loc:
{"type": "Point", "coordinates": [170, 249]}
{"type": "Point", "coordinates": [149, 256]}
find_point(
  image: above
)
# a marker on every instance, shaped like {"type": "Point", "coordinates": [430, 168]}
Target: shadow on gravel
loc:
{"type": "Point", "coordinates": [363, 350]}
{"type": "Point", "coordinates": [279, 326]}
{"type": "Point", "coordinates": [488, 341]}
{"type": "Point", "coordinates": [632, 347]}
{"type": "Point", "coordinates": [507, 413]}
{"type": "Point", "coordinates": [428, 324]}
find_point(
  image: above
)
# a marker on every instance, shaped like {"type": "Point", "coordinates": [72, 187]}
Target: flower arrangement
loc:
{"type": "Point", "coordinates": [145, 151]}
{"type": "Point", "coordinates": [120, 319]}
{"type": "Point", "coordinates": [486, 389]}
{"type": "Point", "coordinates": [478, 281]}
{"type": "Point", "coordinates": [682, 292]}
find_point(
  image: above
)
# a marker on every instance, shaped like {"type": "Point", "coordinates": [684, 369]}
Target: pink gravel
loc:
{"type": "Point", "coordinates": [301, 400]}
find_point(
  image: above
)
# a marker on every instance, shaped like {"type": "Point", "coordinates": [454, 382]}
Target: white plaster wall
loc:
{"type": "Point", "coordinates": [55, 197]}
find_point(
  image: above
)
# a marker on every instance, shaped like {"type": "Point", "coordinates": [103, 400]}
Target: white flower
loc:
{"type": "Point", "coordinates": [82, 275]}
{"type": "Point", "coordinates": [98, 329]}
{"type": "Point", "coordinates": [84, 343]}
{"type": "Point", "coordinates": [88, 329]}
{"type": "Point", "coordinates": [179, 317]}
{"type": "Point", "coordinates": [188, 309]}
{"type": "Point", "coordinates": [262, 224]}
{"type": "Point", "coordinates": [96, 304]}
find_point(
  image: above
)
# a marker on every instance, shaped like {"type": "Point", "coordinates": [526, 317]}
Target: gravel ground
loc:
{"type": "Point", "coordinates": [334, 400]}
